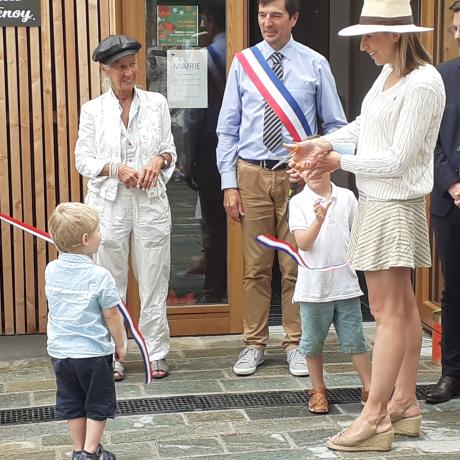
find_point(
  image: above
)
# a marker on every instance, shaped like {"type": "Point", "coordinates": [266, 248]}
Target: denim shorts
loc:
{"type": "Point", "coordinates": [85, 388]}
{"type": "Point", "coordinates": [317, 317]}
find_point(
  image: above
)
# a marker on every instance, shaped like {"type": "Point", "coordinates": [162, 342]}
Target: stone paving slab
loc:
{"type": "Point", "coordinates": [30, 385]}
{"type": "Point", "coordinates": [255, 441]}
{"type": "Point", "coordinates": [22, 451]}
{"type": "Point", "coordinates": [230, 415]}
{"type": "Point", "coordinates": [15, 400]}
{"type": "Point", "coordinates": [248, 384]}
{"type": "Point", "coordinates": [192, 447]}
{"type": "Point", "coordinates": [188, 387]}
{"type": "Point", "coordinates": [151, 422]}
{"type": "Point", "coordinates": [286, 426]}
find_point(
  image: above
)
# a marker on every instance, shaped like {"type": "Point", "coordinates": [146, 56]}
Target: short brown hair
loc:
{"type": "Point", "coordinates": [455, 7]}
{"type": "Point", "coordinates": [292, 6]}
{"type": "Point", "coordinates": [411, 54]}
{"type": "Point", "coordinates": [69, 222]}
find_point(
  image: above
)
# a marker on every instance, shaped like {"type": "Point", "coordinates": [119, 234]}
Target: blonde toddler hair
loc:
{"type": "Point", "coordinates": [69, 222]}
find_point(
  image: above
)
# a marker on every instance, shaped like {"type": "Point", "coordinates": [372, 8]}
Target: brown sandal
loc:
{"type": "Point", "coordinates": [317, 401]}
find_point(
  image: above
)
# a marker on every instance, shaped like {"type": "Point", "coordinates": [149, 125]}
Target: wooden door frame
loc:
{"type": "Point", "coordinates": [429, 283]}
{"type": "Point", "coordinates": [196, 319]}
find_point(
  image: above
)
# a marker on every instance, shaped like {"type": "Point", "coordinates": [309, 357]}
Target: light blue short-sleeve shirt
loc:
{"type": "Point", "coordinates": [77, 291]}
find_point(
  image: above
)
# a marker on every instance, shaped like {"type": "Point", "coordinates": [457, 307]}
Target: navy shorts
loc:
{"type": "Point", "coordinates": [85, 388]}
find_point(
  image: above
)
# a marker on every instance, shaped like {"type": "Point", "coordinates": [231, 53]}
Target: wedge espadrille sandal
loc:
{"type": "Point", "coordinates": [409, 426]}
{"type": "Point", "coordinates": [368, 440]}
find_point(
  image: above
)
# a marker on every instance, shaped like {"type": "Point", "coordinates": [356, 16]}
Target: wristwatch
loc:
{"type": "Point", "coordinates": [166, 162]}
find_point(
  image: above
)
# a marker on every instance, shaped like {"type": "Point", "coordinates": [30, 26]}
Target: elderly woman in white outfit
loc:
{"type": "Point", "coordinates": [394, 138]}
{"type": "Point", "coordinates": [126, 149]}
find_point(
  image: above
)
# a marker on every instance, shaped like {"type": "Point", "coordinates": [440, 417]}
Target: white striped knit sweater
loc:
{"type": "Point", "coordinates": [395, 136]}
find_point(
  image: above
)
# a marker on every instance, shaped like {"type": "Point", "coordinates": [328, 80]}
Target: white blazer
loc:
{"type": "Point", "coordinates": [99, 139]}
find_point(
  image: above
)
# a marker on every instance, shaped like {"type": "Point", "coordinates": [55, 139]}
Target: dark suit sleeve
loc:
{"type": "Point", "coordinates": [446, 156]}
{"type": "Point", "coordinates": [444, 174]}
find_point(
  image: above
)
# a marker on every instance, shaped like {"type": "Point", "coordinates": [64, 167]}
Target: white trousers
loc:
{"type": "Point", "coordinates": [146, 223]}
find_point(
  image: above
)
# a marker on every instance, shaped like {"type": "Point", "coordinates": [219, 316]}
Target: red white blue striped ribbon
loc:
{"type": "Point", "coordinates": [274, 243]}
{"type": "Point", "coordinates": [140, 341]}
{"type": "Point", "coordinates": [27, 228]}
{"type": "Point", "coordinates": [138, 338]}
{"type": "Point", "coordinates": [274, 93]}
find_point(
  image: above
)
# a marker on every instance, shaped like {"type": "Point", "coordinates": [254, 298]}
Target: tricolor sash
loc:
{"type": "Point", "coordinates": [275, 93]}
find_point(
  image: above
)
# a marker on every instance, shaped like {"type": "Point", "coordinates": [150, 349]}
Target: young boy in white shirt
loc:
{"type": "Point", "coordinates": [82, 318]}
{"type": "Point", "coordinates": [321, 217]}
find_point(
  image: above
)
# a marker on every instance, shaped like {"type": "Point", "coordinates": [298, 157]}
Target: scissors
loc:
{"type": "Point", "coordinates": [286, 158]}
{"type": "Point", "coordinates": [283, 159]}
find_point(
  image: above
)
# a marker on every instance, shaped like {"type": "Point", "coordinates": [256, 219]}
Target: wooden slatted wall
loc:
{"type": "Point", "coordinates": [45, 75]}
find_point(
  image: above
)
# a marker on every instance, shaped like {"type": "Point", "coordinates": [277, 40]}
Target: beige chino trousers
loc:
{"type": "Point", "coordinates": [264, 195]}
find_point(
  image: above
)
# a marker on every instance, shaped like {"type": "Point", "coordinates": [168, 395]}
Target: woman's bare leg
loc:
{"type": "Point", "coordinates": [387, 296]}
{"type": "Point", "coordinates": [363, 367]}
{"type": "Point", "coordinates": [403, 402]}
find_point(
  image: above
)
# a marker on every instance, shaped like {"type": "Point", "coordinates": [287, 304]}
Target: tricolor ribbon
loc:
{"type": "Point", "coordinates": [140, 341]}
{"type": "Point", "coordinates": [274, 93]}
{"type": "Point", "coordinates": [137, 336]}
{"type": "Point", "coordinates": [274, 243]}
{"type": "Point", "coordinates": [27, 228]}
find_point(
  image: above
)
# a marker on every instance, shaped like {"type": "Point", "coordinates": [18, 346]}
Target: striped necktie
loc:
{"type": "Point", "coordinates": [272, 135]}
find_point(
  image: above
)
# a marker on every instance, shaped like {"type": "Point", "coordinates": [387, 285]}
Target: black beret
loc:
{"type": "Point", "coordinates": [114, 47]}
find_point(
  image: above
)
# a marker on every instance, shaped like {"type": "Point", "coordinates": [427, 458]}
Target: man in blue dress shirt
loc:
{"type": "Point", "coordinates": [254, 194]}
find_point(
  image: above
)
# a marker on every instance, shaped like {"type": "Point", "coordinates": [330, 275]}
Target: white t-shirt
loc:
{"type": "Point", "coordinates": [329, 248]}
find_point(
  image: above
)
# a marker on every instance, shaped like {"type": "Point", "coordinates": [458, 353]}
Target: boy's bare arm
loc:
{"type": "Point", "coordinates": [306, 238]}
{"type": "Point", "coordinates": [114, 322]}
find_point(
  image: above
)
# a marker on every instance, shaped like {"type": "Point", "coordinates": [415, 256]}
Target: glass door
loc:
{"type": "Point", "coordinates": [188, 46]}
{"type": "Point", "coordinates": [186, 62]}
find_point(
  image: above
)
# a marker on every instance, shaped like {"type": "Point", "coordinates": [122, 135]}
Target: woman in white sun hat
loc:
{"type": "Point", "coordinates": [394, 138]}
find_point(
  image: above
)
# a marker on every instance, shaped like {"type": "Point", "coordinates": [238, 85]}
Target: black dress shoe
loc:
{"type": "Point", "coordinates": [444, 390]}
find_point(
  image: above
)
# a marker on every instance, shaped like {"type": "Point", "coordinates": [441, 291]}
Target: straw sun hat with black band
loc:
{"type": "Point", "coordinates": [384, 16]}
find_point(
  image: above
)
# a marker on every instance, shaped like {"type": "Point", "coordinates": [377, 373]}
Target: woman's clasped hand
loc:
{"type": "Point", "coordinates": [314, 155]}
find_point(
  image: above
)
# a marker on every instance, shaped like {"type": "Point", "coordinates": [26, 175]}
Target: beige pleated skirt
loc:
{"type": "Point", "coordinates": [389, 234]}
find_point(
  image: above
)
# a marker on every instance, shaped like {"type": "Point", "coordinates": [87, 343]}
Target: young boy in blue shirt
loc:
{"type": "Point", "coordinates": [82, 318]}
{"type": "Point", "coordinates": [320, 218]}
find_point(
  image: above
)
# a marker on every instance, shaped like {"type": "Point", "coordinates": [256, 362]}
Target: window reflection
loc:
{"type": "Point", "coordinates": [199, 234]}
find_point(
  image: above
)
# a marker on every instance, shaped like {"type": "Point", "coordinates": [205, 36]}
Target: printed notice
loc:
{"type": "Point", "coordinates": [177, 25]}
{"type": "Point", "coordinates": [187, 79]}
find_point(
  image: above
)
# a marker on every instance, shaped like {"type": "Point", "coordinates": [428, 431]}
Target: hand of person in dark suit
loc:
{"type": "Point", "coordinates": [454, 191]}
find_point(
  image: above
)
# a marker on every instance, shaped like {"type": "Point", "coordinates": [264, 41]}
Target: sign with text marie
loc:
{"type": "Point", "coordinates": [19, 13]}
